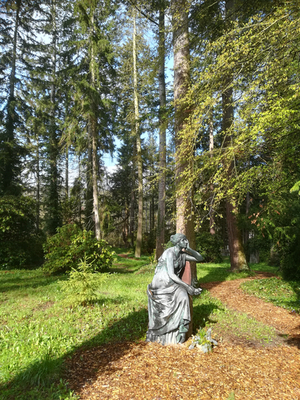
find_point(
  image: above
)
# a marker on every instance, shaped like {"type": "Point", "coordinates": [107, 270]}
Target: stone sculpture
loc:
{"type": "Point", "coordinates": [168, 296]}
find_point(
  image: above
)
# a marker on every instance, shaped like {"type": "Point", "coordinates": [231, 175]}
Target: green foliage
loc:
{"type": "Point", "coordinates": [69, 245]}
{"type": "Point", "coordinates": [83, 283]}
{"type": "Point", "coordinates": [290, 251]}
{"type": "Point", "coordinates": [296, 188]}
{"type": "Point", "coordinates": [282, 293]}
{"type": "Point", "coordinates": [209, 246]}
{"type": "Point", "coordinates": [20, 243]}
{"type": "Point", "coordinates": [209, 312]}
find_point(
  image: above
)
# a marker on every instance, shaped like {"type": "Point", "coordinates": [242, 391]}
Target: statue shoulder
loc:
{"type": "Point", "coordinates": [168, 253]}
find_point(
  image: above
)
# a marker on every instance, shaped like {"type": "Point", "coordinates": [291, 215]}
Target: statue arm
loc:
{"type": "Point", "coordinates": [170, 267]}
{"type": "Point", "coordinates": [193, 255]}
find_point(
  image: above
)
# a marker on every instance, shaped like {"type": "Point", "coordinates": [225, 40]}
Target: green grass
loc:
{"type": "Point", "coordinates": [220, 272]}
{"type": "Point", "coordinates": [211, 313]}
{"type": "Point", "coordinates": [37, 332]}
{"type": "Point", "coordinates": [282, 293]}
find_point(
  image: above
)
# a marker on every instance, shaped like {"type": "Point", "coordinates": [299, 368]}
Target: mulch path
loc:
{"type": "Point", "coordinates": [151, 371]}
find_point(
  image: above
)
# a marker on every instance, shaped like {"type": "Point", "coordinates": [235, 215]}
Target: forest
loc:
{"type": "Point", "coordinates": [123, 122]}
{"type": "Point", "coordinates": [196, 101]}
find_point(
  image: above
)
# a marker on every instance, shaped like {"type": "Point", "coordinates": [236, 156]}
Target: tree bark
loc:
{"type": "Point", "coordinates": [160, 233]}
{"type": "Point", "coordinates": [54, 216]}
{"type": "Point", "coordinates": [237, 255]}
{"type": "Point", "coordinates": [138, 246]}
{"type": "Point", "coordinates": [211, 148]}
{"type": "Point", "coordinates": [184, 212]}
{"type": "Point", "coordinates": [93, 126]}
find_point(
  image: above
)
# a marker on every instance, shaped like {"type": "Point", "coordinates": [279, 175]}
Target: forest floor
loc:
{"type": "Point", "coordinates": [236, 369]}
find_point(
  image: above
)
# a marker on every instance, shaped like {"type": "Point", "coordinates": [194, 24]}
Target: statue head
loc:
{"type": "Point", "coordinates": [176, 238]}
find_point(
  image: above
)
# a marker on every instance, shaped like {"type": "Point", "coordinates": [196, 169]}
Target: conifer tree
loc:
{"type": "Point", "coordinates": [16, 37]}
{"type": "Point", "coordinates": [93, 88]}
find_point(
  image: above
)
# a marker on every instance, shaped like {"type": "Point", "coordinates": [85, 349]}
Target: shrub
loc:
{"type": "Point", "coordinates": [20, 242]}
{"type": "Point", "coordinates": [290, 259]}
{"type": "Point", "coordinates": [69, 245]}
{"type": "Point", "coordinates": [83, 283]}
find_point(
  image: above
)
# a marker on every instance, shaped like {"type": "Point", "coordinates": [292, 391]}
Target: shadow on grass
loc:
{"type": "Point", "coordinates": [201, 315]}
{"type": "Point", "coordinates": [40, 381]}
{"type": "Point", "coordinates": [18, 283]}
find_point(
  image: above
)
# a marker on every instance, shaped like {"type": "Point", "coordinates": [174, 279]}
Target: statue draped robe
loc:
{"type": "Point", "coordinates": [168, 304]}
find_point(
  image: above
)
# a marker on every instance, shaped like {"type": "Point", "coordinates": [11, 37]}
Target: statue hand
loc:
{"type": "Point", "coordinates": [197, 291]}
{"type": "Point", "coordinates": [194, 291]}
{"type": "Point", "coordinates": [191, 290]}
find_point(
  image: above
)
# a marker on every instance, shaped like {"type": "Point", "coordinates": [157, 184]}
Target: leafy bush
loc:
{"type": "Point", "coordinates": [69, 245]}
{"type": "Point", "coordinates": [20, 242]}
{"type": "Point", "coordinates": [290, 259]}
{"type": "Point", "coordinates": [83, 283]}
{"type": "Point", "coordinates": [209, 246]}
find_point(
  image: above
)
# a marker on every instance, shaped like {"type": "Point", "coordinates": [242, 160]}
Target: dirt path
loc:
{"type": "Point", "coordinates": [125, 371]}
{"type": "Point", "coordinates": [282, 320]}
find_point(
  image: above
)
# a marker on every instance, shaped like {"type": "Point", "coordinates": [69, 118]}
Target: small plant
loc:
{"type": "Point", "coordinates": [70, 244]}
{"type": "Point", "coordinates": [83, 283]}
{"type": "Point", "coordinates": [204, 341]}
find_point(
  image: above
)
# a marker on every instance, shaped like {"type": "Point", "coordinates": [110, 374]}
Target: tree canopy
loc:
{"type": "Point", "coordinates": [198, 101]}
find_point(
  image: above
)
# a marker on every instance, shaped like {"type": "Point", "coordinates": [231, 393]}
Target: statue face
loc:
{"type": "Point", "coordinates": [184, 243]}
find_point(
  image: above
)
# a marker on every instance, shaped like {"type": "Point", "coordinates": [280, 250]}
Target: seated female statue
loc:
{"type": "Point", "coordinates": [168, 296]}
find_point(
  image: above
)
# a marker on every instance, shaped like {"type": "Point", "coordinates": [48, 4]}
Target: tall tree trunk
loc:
{"type": "Point", "coordinates": [237, 255]}
{"type": "Point", "coordinates": [54, 219]}
{"type": "Point", "coordinates": [211, 148]}
{"type": "Point", "coordinates": [138, 247]}
{"type": "Point", "coordinates": [160, 233]}
{"type": "Point", "coordinates": [131, 224]}
{"type": "Point", "coordinates": [93, 127]}
{"type": "Point", "coordinates": [184, 214]}
{"type": "Point", "coordinates": [8, 176]}
{"type": "Point", "coordinates": [67, 174]}
{"type": "Point", "coordinates": [38, 177]}
{"type": "Point", "coordinates": [95, 179]}
{"type": "Point", "coordinates": [89, 223]}
{"type": "Point", "coordinates": [79, 192]}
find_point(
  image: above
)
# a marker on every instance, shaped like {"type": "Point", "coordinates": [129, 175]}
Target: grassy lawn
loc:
{"type": "Point", "coordinates": [282, 293]}
{"type": "Point", "coordinates": [37, 332]}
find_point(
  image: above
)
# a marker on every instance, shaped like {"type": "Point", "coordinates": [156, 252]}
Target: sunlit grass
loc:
{"type": "Point", "coordinates": [282, 293]}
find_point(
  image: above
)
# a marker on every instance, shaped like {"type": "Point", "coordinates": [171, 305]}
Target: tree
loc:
{"type": "Point", "coordinates": [184, 200]}
{"type": "Point", "coordinates": [160, 236]}
{"type": "Point", "coordinates": [92, 88]}
{"type": "Point", "coordinates": [139, 161]}
{"type": "Point", "coordinates": [259, 93]}
{"type": "Point", "coordinates": [17, 36]}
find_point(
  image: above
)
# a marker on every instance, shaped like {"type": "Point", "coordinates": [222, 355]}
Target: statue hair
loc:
{"type": "Point", "coordinates": [176, 238]}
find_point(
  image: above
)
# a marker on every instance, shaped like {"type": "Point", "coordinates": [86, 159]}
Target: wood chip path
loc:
{"type": "Point", "coordinates": [150, 371]}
